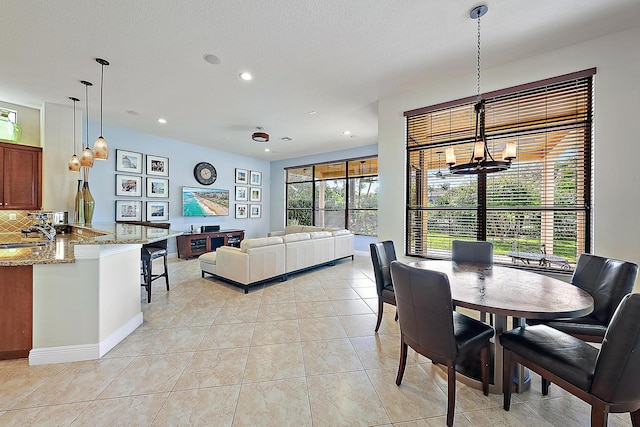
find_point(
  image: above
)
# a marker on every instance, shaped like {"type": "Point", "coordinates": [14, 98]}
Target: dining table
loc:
{"type": "Point", "coordinates": [509, 294]}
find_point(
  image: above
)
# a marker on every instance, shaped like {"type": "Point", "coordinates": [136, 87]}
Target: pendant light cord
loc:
{"type": "Point", "coordinates": [101, 83]}
{"type": "Point", "coordinates": [86, 103]}
{"type": "Point", "coordinates": [74, 127]}
{"type": "Point", "coordinates": [478, 67]}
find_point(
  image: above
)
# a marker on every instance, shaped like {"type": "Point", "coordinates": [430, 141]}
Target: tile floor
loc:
{"type": "Point", "coordinates": [295, 353]}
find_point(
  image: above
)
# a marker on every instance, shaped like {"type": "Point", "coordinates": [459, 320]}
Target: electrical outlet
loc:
{"type": "Point", "coordinates": [12, 217]}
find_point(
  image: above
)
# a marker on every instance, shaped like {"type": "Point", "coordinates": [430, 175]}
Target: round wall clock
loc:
{"type": "Point", "coordinates": [205, 173]}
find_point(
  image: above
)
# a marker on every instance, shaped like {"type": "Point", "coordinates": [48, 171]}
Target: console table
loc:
{"type": "Point", "coordinates": [194, 244]}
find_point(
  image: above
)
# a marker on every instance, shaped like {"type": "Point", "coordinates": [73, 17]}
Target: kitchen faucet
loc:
{"type": "Point", "coordinates": [43, 226]}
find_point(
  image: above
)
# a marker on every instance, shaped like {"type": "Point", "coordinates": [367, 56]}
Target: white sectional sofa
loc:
{"type": "Point", "coordinates": [282, 253]}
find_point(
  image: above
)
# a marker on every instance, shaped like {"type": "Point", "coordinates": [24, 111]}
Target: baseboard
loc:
{"type": "Point", "coordinates": [76, 353]}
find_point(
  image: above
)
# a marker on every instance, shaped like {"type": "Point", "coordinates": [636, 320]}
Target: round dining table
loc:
{"type": "Point", "coordinates": [507, 292]}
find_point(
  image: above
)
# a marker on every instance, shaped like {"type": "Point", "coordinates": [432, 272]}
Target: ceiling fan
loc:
{"type": "Point", "coordinates": [439, 174]}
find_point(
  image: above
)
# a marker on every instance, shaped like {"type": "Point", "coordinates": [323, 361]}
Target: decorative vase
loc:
{"type": "Point", "coordinates": [89, 203]}
{"type": "Point", "coordinates": [79, 214]}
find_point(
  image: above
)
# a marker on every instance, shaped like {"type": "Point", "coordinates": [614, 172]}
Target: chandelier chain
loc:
{"type": "Point", "coordinates": [478, 64]}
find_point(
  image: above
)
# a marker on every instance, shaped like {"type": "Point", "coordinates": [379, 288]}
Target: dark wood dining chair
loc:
{"type": "Point", "coordinates": [608, 379]}
{"type": "Point", "coordinates": [382, 255]}
{"type": "Point", "coordinates": [607, 280]}
{"type": "Point", "coordinates": [430, 326]}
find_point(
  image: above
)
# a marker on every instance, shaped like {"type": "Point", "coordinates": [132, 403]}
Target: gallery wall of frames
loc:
{"type": "Point", "coordinates": [248, 194]}
{"type": "Point", "coordinates": [139, 176]}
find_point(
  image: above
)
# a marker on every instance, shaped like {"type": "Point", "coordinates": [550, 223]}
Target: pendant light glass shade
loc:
{"type": "Point", "coordinates": [86, 159]}
{"type": "Point", "coordinates": [74, 162]}
{"type": "Point", "coordinates": [100, 147]}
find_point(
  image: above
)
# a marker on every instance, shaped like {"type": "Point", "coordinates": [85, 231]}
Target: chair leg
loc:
{"type": "Point", "coordinates": [146, 268]}
{"type": "Point", "coordinates": [507, 372]}
{"type": "Point", "coordinates": [451, 394]}
{"type": "Point", "coordinates": [635, 418]}
{"type": "Point", "coordinates": [599, 413]}
{"type": "Point", "coordinates": [166, 272]}
{"type": "Point", "coordinates": [545, 386]}
{"type": "Point", "coordinates": [485, 374]}
{"type": "Point", "coordinates": [396, 319]}
{"type": "Point", "coordinates": [403, 361]}
{"type": "Point", "coordinates": [380, 307]}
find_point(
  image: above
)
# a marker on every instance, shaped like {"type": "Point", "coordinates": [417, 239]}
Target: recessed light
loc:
{"type": "Point", "coordinates": [246, 76]}
{"type": "Point", "coordinates": [212, 59]}
{"type": "Point", "coordinates": [312, 112]}
{"type": "Point", "coordinates": [163, 121]}
{"type": "Point", "coordinates": [266, 150]}
{"type": "Point", "coordinates": [347, 132]}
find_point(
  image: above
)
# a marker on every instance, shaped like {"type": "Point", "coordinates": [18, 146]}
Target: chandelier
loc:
{"type": "Point", "coordinates": [481, 161]}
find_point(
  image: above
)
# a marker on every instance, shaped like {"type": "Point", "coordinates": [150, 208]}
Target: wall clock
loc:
{"type": "Point", "coordinates": [205, 173]}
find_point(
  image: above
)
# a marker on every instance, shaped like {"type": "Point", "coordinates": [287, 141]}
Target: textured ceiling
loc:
{"type": "Point", "coordinates": [334, 57]}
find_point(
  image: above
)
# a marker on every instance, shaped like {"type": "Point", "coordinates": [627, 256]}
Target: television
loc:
{"type": "Point", "coordinates": [204, 201]}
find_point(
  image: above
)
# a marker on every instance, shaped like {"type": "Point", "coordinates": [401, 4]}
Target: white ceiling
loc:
{"type": "Point", "coordinates": [334, 57]}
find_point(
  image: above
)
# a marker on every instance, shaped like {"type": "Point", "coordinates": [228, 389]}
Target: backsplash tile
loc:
{"type": "Point", "coordinates": [21, 222]}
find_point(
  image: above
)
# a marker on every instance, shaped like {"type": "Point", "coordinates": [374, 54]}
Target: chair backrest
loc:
{"type": "Point", "coordinates": [606, 280]}
{"type": "Point", "coordinates": [466, 251]}
{"type": "Point", "coordinates": [617, 374]}
{"type": "Point", "coordinates": [425, 309]}
{"type": "Point", "coordinates": [382, 254]}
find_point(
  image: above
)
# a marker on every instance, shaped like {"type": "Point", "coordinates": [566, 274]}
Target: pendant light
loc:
{"type": "Point", "coordinates": [100, 147]}
{"type": "Point", "coordinates": [74, 162]}
{"type": "Point", "coordinates": [87, 155]}
{"type": "Point", "coordinates": [481, 162]}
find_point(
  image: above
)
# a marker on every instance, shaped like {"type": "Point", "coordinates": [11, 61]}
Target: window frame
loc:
{"type": "Point", "coordinates": [414, 184]}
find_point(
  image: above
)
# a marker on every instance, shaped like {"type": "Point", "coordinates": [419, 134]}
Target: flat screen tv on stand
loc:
{"type": "Point", "coordinates": [204, 202]}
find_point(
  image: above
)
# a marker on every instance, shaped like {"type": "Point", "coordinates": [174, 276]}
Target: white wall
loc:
{"type": "Point", "coordinates": [617, 146]}
{"type": "Point", "coordinates": [278, 176]}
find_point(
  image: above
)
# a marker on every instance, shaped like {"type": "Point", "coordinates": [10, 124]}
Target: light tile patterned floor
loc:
{"type": "Point", "coordinates": [295, 353]}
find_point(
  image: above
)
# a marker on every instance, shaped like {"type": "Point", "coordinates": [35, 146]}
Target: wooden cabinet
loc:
{"type": "Point", "coordinates": [16, 307]}
{"type": "Point", "coordinates": [21, 174]}
{"type": "Point", "coordinates": [194, 244]}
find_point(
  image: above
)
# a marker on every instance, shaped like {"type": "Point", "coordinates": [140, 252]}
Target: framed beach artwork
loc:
{"type": "Point", "coordinates": [128, 185]}
{"type": "Point", "coordinates": [256, 178]}
{"type": "Point", "coordinates": [157, 211]}
{"type": "Point", "coordinates": [128, 161]}
{"type": "Point", "coordinates": [158, 166]}
{"type": "Point", "coordinates": [255, 194]}
{"type": "Point", "coordinates": [242, 194]}
{"type": "Point", "coordinates": [128, 210]}
{"type": "Point", "coordinates": [157, 187]}
{"type": "Point", "coordinates": [241, 210]}
{"type": "Point", "coordinates": [242, 176]}
{"type": "Point", "coordinates": [255, 211]}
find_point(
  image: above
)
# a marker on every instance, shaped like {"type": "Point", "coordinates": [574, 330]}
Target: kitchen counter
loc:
{"type": "Point", "coordinates": [61, 249]}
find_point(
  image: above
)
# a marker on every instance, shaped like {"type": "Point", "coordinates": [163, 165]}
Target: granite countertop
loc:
{"type": "Point", "coordinates": [60, 250]}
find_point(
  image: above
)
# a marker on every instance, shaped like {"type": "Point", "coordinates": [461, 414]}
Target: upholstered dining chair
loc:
{"type": "Point", "coordinates": [607, 280]}
{"type": "Point", "coordinates": [473, 251]}
{"type": "Point", "coordinates": [607, 378]}
{"type": "Point", "coordinates": [430, 326]}
{"type": "Point", "coordinates": [382, 254]}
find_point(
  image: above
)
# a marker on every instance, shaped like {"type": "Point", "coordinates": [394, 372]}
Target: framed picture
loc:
{"type": "Point", "coordinates": [128, 185]}
{"type": "Point", "coordinates": [255, 194]}
{"type": "Point", "coordinates": [128, 161]}
{"type": "Point", "coordinates": [157, 165]}
{"type": "Point", "coordinates": [242, 176]}
{"type": "Point", "coordinates": [241, 210]}
{"type": "Point", "coordinates": [128, 210]}
{"type": "Point", "coordinates": [157, 187]}
{"type": "Point", "coordinates": [157, 211]}
{"type": "Point", "coordinates": [256, 178]}
{"type": "Point", "coordinates": [255, 211]}
{"type": "Point", "coordinates": [242, 194]}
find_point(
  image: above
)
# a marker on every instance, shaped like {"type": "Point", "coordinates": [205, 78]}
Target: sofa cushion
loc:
{"type": "Point", "coordinates": [341, 232]}
{"type": "Point", "coordinates": [259, 242]}
{"type": "Point", "coordinates": [295, 237]}
{"type": "Point", "coordinates": [208, 258]}
{"type": "Point", "coordinates": [290, 229]}
{"type": "Point", "coordinates": [320, 234]}
{"type": "Point", "coordinates": [311, 229]}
